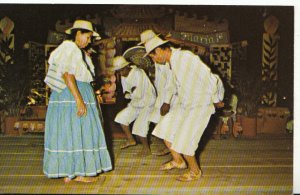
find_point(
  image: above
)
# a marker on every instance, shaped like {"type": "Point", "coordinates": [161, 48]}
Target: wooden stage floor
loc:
{"type": "Point", "coordinates": [263, 165]}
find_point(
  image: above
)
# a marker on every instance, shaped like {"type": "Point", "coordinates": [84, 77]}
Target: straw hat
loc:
{"type": "Point", "coordinates": [147, 35]}
{"type": "Point", "coordinates": [119, 62]}
{"type": "Point", "coordinates": [82, 24]}
{"type": "Point", "coordinates": [136, 54]}
{"type": "Point", "coordinates": [153, 43]}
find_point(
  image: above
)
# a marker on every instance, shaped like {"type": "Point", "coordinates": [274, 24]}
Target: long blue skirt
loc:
{"type": "Point", "coordinates": [74, 146]}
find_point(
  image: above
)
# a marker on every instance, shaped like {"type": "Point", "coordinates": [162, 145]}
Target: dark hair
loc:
{"type": "Point", "coordinates": [72, 36]}
{"type": "Point", "coordinates": [163, 47]}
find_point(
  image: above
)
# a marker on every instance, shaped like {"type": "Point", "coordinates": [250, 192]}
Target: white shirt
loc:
{"type": "Point", "coordinates": [219, 96]}
{"type": "Point", "coordinates": [196, 85]}
{"type": "Point", "coordinates": [67, 57]}
{"type": "Point", "coordinates": [165, 84]}
{"type": "Point", "coordinates": [144, 93]}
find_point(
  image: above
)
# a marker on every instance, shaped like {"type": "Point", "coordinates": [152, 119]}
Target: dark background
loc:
{"type": "Point", "coordinates": [33, 21]}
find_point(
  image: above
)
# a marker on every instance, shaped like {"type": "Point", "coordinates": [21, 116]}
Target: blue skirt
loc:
{"type": "Point", "coordinates": [74, 146]}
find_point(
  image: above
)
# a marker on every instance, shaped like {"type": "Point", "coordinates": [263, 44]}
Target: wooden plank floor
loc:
{"type": "Point", "coordinates": [263, 165]}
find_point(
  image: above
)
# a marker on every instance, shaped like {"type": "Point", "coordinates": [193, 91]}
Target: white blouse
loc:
{"type": "Point", "coordinates": [67, 57]}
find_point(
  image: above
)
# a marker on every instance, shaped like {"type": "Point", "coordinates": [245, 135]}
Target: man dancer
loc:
{"type": "Point", "coordinates": [197, 88]}
{"type": "Point", "coordinates": [165, 88]}
{"type": "Point", "coordinates": [137, 87]}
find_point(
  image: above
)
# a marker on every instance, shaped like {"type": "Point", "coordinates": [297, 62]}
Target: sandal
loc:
{"type": "Point", "coordinates": [85, 179]}
{"type": "Point", "coordinates": [189, 176]}
{"type": "Point", "coordinates": [127, 145]}
{"type": "Point", "coordinates": [171, 165]}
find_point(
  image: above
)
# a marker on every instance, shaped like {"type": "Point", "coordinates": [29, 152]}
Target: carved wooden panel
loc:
{"type": "Point", "coordinates": [220, 57]}
{"type": "Point", "coordinates": [203, 39]}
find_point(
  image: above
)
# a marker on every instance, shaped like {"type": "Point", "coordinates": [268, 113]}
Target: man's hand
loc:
{"type": "Point", "coordinates": [132, 89]}
{"type": "Point", "coordinates": [164, 109]}
{"type": "Point", "coordinates": [127, 95]}
{"type": "Point", "coordinates": [219, 104]}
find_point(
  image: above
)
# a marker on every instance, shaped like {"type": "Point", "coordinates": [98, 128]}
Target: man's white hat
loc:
{"type": "Point", "coordinates": [153, 43]}
{"type": "Point", "coordinates": [83, 24]}
{"type": "Point", "coordinates": [119, 62]}
{"type": "Point", "coordinates": [147, 35]}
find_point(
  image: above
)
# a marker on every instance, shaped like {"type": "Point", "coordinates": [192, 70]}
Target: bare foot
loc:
{"type": "Point", "coordinates": [128, 144]}
{"type": "Point", "coordinates": [144, 153]}
{"type": "Point", "coordinates": [67, 180]}
{"type": "Point", "coordinates": [85, 179]}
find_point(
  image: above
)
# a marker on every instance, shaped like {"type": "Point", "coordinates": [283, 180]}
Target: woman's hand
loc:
{"type": "Point", "coordinates": [81, 108]}
{"type": "Point", "coordinates": [71, 83]}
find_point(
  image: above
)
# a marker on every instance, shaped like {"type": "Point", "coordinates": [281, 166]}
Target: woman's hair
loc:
{"type": "Point", "coordinates": [72, 36]}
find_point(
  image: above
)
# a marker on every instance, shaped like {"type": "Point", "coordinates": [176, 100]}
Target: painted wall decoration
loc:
{"type": "Point", "coordinates": [220, 57]}
{"type": "Point", "coordinates": [203, 39]}
{"type": "Point", "coordinates": [194, 47]}
{"type": "Point", "coordinates": [270, 60]}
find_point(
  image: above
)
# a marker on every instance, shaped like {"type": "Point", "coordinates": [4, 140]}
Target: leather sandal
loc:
{"type": "Point", "coordinates": [189, 176]}
{"type": "Point", "coordinates": [171, 165]}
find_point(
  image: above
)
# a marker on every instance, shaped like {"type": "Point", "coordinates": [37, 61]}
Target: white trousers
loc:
{"type": "Point", "coordinates": [155, 116]}
{"type": "Point", "coordinates": [140, 116]}
{"type": "Point", "coordinates": [184, 127]}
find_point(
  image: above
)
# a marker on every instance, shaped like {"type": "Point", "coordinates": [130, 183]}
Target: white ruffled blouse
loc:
{"type": "Point", "coordinates": [67, 57]}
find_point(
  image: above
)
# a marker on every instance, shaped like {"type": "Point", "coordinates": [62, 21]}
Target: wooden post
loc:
{"type": "Point", "coordinates": [270, 60]}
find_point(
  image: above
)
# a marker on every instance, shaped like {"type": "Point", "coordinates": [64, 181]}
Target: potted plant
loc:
{"type": "Point", "coordinates": [249, 89]}
{"type": "Point", "coordinates": [13, 84]}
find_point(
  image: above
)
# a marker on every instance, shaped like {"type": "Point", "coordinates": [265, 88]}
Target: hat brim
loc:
{"type": "Point", "coordinates": [121, 67]}
{"type": "Point", "coordinates": [134, 49]}
{"type": "Point", "coordinates": [163, 42]}
{"type": "Point", "coordinates": [68, 31]}
{"type": "Point", "coordinates": [142, 42]}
